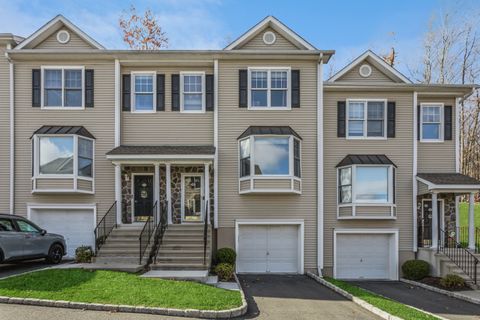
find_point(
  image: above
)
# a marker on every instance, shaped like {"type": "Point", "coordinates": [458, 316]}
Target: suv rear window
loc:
{"type": "Point", "coordinates": [6, 225]}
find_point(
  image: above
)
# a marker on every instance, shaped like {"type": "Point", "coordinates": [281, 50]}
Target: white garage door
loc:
{"type": "Point", "coordinates": [366, 256]}
{"type": "Point", "coordinates": [76, 225]}
{"type": "Point", "coordinates": [271, 248]}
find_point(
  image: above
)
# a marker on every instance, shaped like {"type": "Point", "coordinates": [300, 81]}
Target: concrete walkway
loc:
{"type": "Point", "coordinates": [287, 297]}
{"type": "Point", "coordinates": [436, 303]}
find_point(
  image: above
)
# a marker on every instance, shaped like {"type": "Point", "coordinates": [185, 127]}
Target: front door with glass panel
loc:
{"type": "Point", "coordinates": [425, 223]}
{"type": "Point", "coordinates": [192, 198]}
{"type": "Point", "coordinates": [142, 197]}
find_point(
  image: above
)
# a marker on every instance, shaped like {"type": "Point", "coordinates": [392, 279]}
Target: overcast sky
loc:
{"type": "Point", "coordinates": [349, 27]}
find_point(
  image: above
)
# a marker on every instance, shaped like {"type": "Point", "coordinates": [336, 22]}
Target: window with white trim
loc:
{"type": "Point", "coordinates": [143, 84]}
{"type": "Point", "coordinates": [270, 156]}
{"type": "Point", "coordinates": [192, 91]}
{"type": "Point", "coordinates": [367, 184]}
{"type": "Point", "coordinates": [269, 88]}
{"type": "Point", "coordinates": [63, 87]}
{"type": "Point", "coordinates": [367, 119]}
{"type": "Point", "coordinates": [63, 156]}
{"type": "Point", "coordinates": [431, 117]}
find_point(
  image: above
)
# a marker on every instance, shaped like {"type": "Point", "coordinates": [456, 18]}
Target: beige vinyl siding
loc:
{"type": "Point", "coordinates": [422, 188]}
{"type": "Point", "coordinates": [84, 185]}
{"type": "Point", "coordinates": [281, 43]}
{"type": "Point", "coordinates": [245, 185]}
{"type": "Point", "coordinates": [75, 42]}
{"type": "Point", "coordinates": [437, 156]}
{"type": "Point", "coordinates": [372, 211]}
{"type": "Point", "coordinates": [354, 75]}
{"type": "Point", "coordinates": [98, 120]}
{"type": "Point", "coordinates": [399, 150]}
{"type": "Point", "coordinates": [54, 184]}
{"type": "Point", "coordinates": [167, 127]}
{"type": "Point", "coordinates": [345, 211]}
{"type": "Point", "coordinates": [272, 184]}
{"type": "Point", "coordinates": [4, 132]}
{"type": "Point", "coordinates": [232, 122]}
{"type": "Point", "coordinates": [297, 185]}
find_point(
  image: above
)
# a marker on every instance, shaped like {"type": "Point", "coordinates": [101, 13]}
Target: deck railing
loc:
{"type": "Point", "coordinates": [105, 226]}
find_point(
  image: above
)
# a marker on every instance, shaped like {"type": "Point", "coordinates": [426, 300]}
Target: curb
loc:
{"type": "Point", "coordinates": [191, 313]}
{"type": "Point", "coordinates": [367, 306]}
{"type": "Point", "coordinates": [442, 291]}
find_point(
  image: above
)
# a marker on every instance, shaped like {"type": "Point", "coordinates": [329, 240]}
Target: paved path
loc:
{"type": "Point", "coordinates": [21, 267]}
{"type": "Point", "coordinates": [436, 303]}
{"type": "Point", "coordinates": [296, 297]}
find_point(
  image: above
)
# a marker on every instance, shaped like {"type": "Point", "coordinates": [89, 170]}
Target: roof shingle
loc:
{"type": "Point", "coordinates": [78, 130]}
{"type": "Point", "coordinates": [448, 178]}
{"type": "Point", "coordinates": [379, 159]}
{"type": "Point", "coordinates": [265, 130]}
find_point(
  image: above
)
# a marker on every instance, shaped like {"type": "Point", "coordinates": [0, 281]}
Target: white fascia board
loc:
{"type": "Point", "coordinates": [160, 157]}
{"type": "Point", "coordinates": [68, 24]}
{"type": "Point", "coordinates": [375, 58]}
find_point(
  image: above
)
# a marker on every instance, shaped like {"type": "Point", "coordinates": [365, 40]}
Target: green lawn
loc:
{"type": "Point", "coordinates": [393, 307]}
{"type": "Point", "coordinates": [464, 214]}
{"type": "Point", "coordinates": [118, 288]}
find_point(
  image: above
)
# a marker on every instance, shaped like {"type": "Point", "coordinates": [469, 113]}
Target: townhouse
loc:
{"type": "Point", "coordinates": [246, 147]}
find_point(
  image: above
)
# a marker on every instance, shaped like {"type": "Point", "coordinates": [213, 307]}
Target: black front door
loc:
{"type": "Point", "coordinates": [425, 223]}
{"type": "Point", "coordinates": [142, 197]}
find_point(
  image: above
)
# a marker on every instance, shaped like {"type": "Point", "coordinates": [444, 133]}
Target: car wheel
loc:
{"type": "Point", "coordinates": [55, 254]}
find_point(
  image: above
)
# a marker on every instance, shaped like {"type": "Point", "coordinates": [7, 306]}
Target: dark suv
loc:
{"type": "Point", "coordinates": [21, 239]}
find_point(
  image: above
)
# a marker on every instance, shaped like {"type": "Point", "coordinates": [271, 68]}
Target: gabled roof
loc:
{"type": "Point", "coordinates": [277, 25]}
{"type": "Point", "coordinates": [377, 62]}
{"type": "Point", "coordinates": [53, 25]}
{"type": "Point", "coordinates": [269, 130]}
{"type": "Point", "coordinates": [373, 159]}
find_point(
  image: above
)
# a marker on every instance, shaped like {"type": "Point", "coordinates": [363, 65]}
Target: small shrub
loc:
{"type": "Point", "coordinates": [452, 281]}
{"type": "Point", "coordinates": [83, 254]}
{"type": "Point", "coordinates": [225, 271]}
{"type": "Point", "coordinates": [415, 269]}
{"type": "Point", "coordinates": [225, 255]}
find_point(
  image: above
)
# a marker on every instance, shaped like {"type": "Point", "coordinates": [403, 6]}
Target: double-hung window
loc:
{"type": "Point", "coordinates": [269, 88]}
{"type": "Point", "coordinates": [143, 84]}
{"type": "Point", "coordinates": [192, 86]}
{"type": "Point", "coordinates": [366, 119]}
{"type": "Point", "coordinates": [63, 87]}
{"type": "Point", "coordinates": [431, 116]}
{"type": "Point", "coordinates": [366, 184]}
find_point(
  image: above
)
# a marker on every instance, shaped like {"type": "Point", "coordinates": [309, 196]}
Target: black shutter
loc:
{"type": "Point", "coordinates": [419, 113]}
{"type": "Point", "coordinates": [126, 84]}
{"type": "Point", "coordinates": [36, 87]}
{"type": "Point", "coordinates": [243, 88]}
{"type": "Point", "coordinates": [295, 75]}
{"type": "Point", "coordinates": [341, 118]}
{"type": "Point", "coordinates": [160, 92]}
{"type": "Point", "coordinates": [391, 118]}
{"type": "Point", "coordinates": [447, 114]}
{"type": "Point", "coordinates": [175, 92]}
{"type": "Point", "coordinates": [89, 91]}
{"type": "Point", "coordinates": [209, 92]}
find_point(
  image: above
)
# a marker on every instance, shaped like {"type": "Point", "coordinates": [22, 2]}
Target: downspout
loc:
{"type": "Point", "coordinates": [12, 134]}
{"type": "Point", "coordinates": [117, 104]}
{"type": "Point", "coordinates": [215, 143]}
{"type": "Point", "coordinates": [414, 172]}
{"type": "Point", "coordinates": [320, 164]}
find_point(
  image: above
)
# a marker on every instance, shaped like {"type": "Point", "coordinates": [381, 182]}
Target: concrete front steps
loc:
{"type": "Point", "coordinates": [121, 250]}
{"type": "Point", "coordinates": [182, 249]}
{"type": "Point", "coordinates": [447, 266]}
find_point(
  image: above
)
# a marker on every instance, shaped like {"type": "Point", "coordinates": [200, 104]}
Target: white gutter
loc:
{"type": "Point", "coordinates": [320, 165]}
{"type": "Point", "coordinates": [12, 139]}
{"type": "Point", "coordinates": [117, 104]}
{"type": "Point", "coordinates": [457, 135]}
{"type": "Point", "coordinates": [215, 143]}
{"type": "Point", "coordinates": [414, 170]}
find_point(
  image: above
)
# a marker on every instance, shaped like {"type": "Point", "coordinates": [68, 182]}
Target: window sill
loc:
{"type": "Point", "coordinates": [269, 108]}
{"type": "Point", "coordinates": [432, 141]}
{"type": "Point", "coordinates": [63, 108]}
{"type": "Point", "coordinates": [270, 185]}
{"type": "Point", "coordinates": [367, 211]}
{"type": "Point", "coordinates": [59, 184]}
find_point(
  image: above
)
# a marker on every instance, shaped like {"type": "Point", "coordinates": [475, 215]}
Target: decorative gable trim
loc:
{"type": "Point", "coordinates": [377, 62]}
{"type": "Point", "coordinates": [278, 26]}
{"type": "Point", "coordinates": [53, 25]}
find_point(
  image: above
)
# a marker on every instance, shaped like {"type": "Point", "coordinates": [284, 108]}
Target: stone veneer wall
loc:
{"type": "Point", "coordinates": [449, 208]}
{"type": "Point", "coordinates": [176, 186]}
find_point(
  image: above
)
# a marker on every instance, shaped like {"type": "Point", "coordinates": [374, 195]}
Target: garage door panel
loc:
{"type": "Point", "coordinates": [76, 225]}
{"type": "Point", "coordinates": [252, 248]}
{"type": "Point", "coordinates": [363, 256]}
{"type": "Point", "coordinates": [283, 249]}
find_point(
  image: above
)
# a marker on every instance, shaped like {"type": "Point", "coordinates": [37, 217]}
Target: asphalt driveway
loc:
{"type": "Point", "coordinates": [296, 297]}
{"type": "Point", "coordinates": [10, 269]}
{"type": "Point", "coordinates": [436, 303]}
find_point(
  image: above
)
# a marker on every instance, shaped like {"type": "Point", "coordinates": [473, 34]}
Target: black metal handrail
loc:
{"type": "Point", "coordinates": [477, 240]}
{"type": "Point", "coordinates": [205, 234]}
{"type": "Point", "coordinates": [105, 226]}
{"type": "Point", "coordinates": [458, 255]}
{"type": "Point", "coordinates": [147, 232]}
{"type": "Point", "coordinates": [159, 233]}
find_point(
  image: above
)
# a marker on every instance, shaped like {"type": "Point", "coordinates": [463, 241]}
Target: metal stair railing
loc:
{"type": "Point", "coordinates": [147, 232]}
{"type": "Point", "coordinates": [105, 226]}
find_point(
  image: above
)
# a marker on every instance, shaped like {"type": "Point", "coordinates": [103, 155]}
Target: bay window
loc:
{"type": "Point", "coordinates": [269, 88]}
{"type": "Point", "coordinates": [366, 119]}
{"type": "Point", "coordinates": [431, 116]}
{"type": "Point", "coordinates": [143, 84]}
{"type": "Point", "coordinates": [63, 87]}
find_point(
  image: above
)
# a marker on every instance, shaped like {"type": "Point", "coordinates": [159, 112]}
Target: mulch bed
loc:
{"type": "Point", "coordinates": [435, 282]}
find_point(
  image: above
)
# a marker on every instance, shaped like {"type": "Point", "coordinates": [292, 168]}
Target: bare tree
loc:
{"type": "Point", "coordinates": [142, 32]}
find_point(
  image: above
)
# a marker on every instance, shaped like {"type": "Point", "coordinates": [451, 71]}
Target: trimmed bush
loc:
{"type": "Point", "coordinates": [452, 281]}
{"type": "Point", "coordinates": [224, 271]}
{"type": "Point", "coordinates": [225, 255]}
{"type": "Point", "coordinates": [83, 254]}
{"type": "Point", "coordinates": [415, 269]}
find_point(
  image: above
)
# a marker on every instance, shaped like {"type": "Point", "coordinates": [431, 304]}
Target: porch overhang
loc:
{"type": "Point", "coordinates": [162, 153]}
{"type": "Point", "coordinates": [448, 182]}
